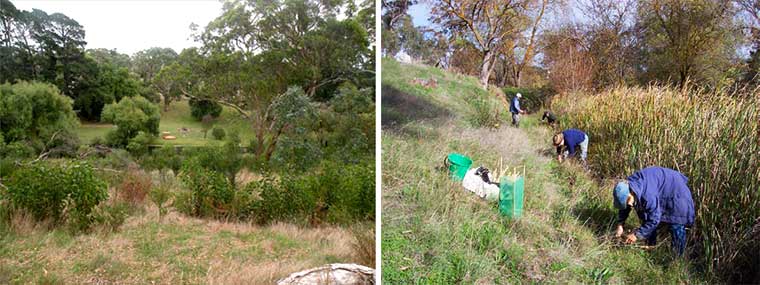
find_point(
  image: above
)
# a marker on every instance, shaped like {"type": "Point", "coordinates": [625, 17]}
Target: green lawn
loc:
{"type": "Point", "coordinates": [177, 117]}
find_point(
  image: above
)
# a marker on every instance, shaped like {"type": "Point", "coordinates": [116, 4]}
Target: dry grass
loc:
{"type": "Point", "coordinates": [177, 250]}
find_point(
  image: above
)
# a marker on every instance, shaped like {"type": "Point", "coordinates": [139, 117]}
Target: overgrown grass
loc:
{"type": "Point", "coordinates": [177, 250]}
{"type": "Point", "coordinates": [434, 232]}
{"type": "Point", "coordinates": [177, 117]}
{"type": "Point", "coordinates": [713, 138]}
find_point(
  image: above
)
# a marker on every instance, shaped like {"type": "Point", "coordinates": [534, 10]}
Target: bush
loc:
{"type": "Point", "coordinates": [210, 192]}
{"type": "Point", "coordinates": [134, 186]}
{"type": "Point", "coordinates": [66, 192]}
{"type": "Point", "coordinates": [140, 144]}
{"type": "Point", "coordinates": [532, 99]}
{"type": "Point", "coordinates": [111, 217]}
{"type": "Point", "coordinates": [483, 113]}
{"type": "Point", "coordinates": [34, 113]}
{"type": "Point", "coordinates": [200, 108]}
{"type": "Point", "coordinates": [159, 196]}
{"type": "Point", "coordinates": [339, 194]}
{"type": "Point", "coordinates": [164, 158]}
{"type": "Point", "coordinates": [289, 200]}
{"type": "Point", "coordinates": [131, 116]}
{"type": "Point", "coordinates": [218, 133]}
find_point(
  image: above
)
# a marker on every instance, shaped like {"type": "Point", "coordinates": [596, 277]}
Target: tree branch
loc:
{"type": "Point", "coordinates": [233, 106]}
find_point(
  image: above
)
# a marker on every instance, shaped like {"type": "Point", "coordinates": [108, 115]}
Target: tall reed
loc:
{"type": "Point", "coordinates": [713, 137]}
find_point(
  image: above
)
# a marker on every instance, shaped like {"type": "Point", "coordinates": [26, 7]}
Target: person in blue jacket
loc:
{"type": "Point", "coordinates": [660, 196]}
{"type": "Point", "coordinates": [567, 143]}
{"type": "Point", "coordinates": [514, 108]}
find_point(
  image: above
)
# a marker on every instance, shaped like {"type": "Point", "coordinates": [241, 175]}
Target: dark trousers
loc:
{"type": "Point", "coordinates": [677, 237]}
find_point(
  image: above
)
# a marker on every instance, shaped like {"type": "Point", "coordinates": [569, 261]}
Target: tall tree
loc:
{"type": "Point", "coordinates": [147, 63]}
{"type": "Point", "coordinates": [686, 39]}
{"type": "Point", "coordinates": [489, 24]}
{"type": "Point", "coordinates": [521, 54]}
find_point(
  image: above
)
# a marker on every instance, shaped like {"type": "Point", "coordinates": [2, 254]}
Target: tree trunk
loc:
{"type": "Point", "coordinates": [485, 68]}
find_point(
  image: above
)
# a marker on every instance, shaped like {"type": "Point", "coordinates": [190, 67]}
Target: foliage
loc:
{"type": "Point", "coordinates": [166, 157]}
{"type": "Point", "coordinates": [148, 63]}
{"type": "Point", "coordinates": [218, 133]}
{"type": "Point", "coordinates": [706, 136]}
{"type": "Point", "coordinates": [66, 192]}
{"type": "Point", "coordinates": [337, 194]}
{"type": "Point", "coordinates": [35, 115]}
{"type": "Point", "coordinates": [131, 116]}
{"type": "Point", "coordinates": [210, 194]}
{"type": "Point", "coordinates": [200, 108]}
{"type": "Point", "coordinates": [483, 113]}
{"type": "Point", "coordinates": [159, 196]}
{"type": "Point", "coordinates": [140, 144]}
{"type": "Point", "coordinates": [532, 99]}
{"type": "Point", "coordinates": [111, 216]}
{"type": "Point", "coordinates": [348, 131]}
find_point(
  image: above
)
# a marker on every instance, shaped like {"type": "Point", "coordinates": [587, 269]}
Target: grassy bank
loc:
{"type": "Point", "coordinates": [713, 138]}
{"type": "Point", "coordinates": [434, 232]}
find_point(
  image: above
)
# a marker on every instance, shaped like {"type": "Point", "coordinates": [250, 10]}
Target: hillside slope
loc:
{"type": "Point", "coordinates": [434, 232]}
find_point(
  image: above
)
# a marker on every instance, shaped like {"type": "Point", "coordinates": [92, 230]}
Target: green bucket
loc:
{"type": "Point", "coordinates": [511, 197]}
{"type": "Point", "coordinates": [458, 165]}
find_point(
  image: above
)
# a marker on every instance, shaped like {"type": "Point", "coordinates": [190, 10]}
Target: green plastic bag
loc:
{"type": "Point", "coordinates": [511, 197]}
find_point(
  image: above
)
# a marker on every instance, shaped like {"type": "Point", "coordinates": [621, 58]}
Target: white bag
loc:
{"type": "Point", "coordinates": [475, 184]}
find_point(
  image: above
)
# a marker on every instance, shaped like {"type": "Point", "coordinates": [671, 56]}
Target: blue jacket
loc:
{"type": "Point", "coordinates": [573, 138]}
{"type": "Point", "coordinates": [514, 108]}
{"type": "Point", "coordinates": [661, 196]}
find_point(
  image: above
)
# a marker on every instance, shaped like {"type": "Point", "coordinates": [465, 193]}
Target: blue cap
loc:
{"type": "Point", "coordinates": [620, 195]}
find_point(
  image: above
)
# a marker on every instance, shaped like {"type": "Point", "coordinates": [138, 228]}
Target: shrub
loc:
{"type": "Point", "coordinates": [710, 137]}
{"type": "Point", "coordinates": [131, 116]}
{"type": "Point", "coordinates": [218, 133]}
{"type": "Point", "coordinates": [211, 193]}
{"type": "Point", "coordinates": [288, 200]}
{"type": "Point", "coordinates": [483, 112]}
{"type": "Point", "coordinates": [33, 113]}
{"type": "Point", "coordinates": [338, 194]}
{"type": "Point", "coordinates": [140, 144]}
{"type": "Point", "coordinates": [134, 186]}
{"type": "Point", "coordinates": [200, 108]}
{"type": "Point", "coordinates": [69, 191]}
{"type": "Point", "coordinates": [159, 196]}
{"type": "Point", "coordinates": [532, 99]}
{"type": "Point", "coordinates": [164, 158]}
{"type": "Point", "coordinates": [111, 217]}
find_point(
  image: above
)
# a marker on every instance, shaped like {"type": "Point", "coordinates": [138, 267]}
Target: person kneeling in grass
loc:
{"type": "Point", "coordinates": [660, 196]}
{"type": "Point", "coordinates": [568, 141]}
{"type": "Point", "coordinates": [549, 117]}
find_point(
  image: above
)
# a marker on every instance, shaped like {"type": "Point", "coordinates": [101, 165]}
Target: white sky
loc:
{"type": "Point", "coordinates": [131, 26]}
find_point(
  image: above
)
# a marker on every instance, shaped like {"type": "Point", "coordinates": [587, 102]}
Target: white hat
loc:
{"type": "Point", "coordinates": [519, 95]}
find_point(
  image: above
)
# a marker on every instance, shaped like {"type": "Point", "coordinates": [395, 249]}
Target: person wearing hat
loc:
{"type": "Point", "coordinates": [514, 108]}
{"type": "Point", "coordinates": [660, 196]}
{"type": "Point", "coordinates": [568, 141]}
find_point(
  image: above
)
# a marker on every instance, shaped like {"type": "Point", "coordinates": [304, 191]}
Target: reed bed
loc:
{"type": "Point", "coordinates": [713, 137]}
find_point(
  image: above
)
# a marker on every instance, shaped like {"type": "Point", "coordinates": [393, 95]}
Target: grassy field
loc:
{"type": "Point", "coordinates": [177, 250]}
{"type": "Point", "coordinates": [177, 117]}
{"type": "Point", "coordinates": [434, 232]}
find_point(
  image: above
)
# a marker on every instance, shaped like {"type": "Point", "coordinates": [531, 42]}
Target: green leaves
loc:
{"type": "Point", "coordinates": [61, 192]}
{"type": "Point", "coordinates": [131, 116]}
